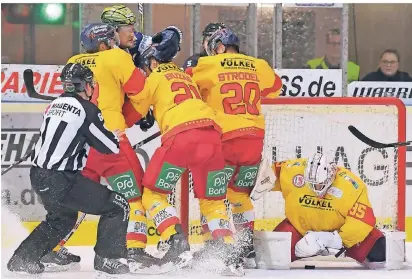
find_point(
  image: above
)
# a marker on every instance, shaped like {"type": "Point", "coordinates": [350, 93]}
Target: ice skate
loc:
{"type": "Point", "coordinates": [245, 237]}
{"type": "Point", "coordinates": [109, 266]}
{"type": "Point", "coordinates": [179, 254]}
{"type": "Point", "coordinates": [208, 251]}
{"type": "Point", "coordinates": [234, 255]}
{"type": "Point", "coordinates": [61, 260]}
{"type": "Point", "coordinates": [141, 262]}
{"type": "Point", "coordinates": [20, 265]}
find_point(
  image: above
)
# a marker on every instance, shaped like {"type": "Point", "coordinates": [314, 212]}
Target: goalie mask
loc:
{"type": "Point", "coordinates": [319, 174]}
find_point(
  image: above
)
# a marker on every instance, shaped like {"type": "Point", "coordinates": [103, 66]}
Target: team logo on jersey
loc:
{"type": "Point", "coordinates": [298, 180]}
{"type": "Point", "coordinates": [336, 192]}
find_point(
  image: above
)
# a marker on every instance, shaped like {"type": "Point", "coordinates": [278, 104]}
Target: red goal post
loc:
{"type": "Point", "coordinates": [299, 126]}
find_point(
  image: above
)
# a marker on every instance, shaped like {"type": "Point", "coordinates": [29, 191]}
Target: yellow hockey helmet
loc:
{"type": "Point", "coordinates": [118, 15]}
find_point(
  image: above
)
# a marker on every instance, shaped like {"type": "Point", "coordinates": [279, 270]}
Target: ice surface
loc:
{"type": "Point", "coordinates": [204, 270]}
{"type": "Point", "coordinates": [334, 270]}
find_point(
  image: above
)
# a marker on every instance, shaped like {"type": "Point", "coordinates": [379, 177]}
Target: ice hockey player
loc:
{"type": "Point", "coordinates": [190, 140]}
{"type": "Point", "coordinates": [233, 85]}
{"type": "Point", "coordinates": [124, 20]}
{"type": "Point", "coordinates": [211, 28]}
{"type": "Point", "coordinates": [71, 124]}
{"type": "Point", "coordinates": [117, 77]}
{"type": "Point", "coordinates": [327, 208]}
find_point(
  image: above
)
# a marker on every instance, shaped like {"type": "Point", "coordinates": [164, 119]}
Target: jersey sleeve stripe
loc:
{"type": "Point", "coordinates": [135, 83]}
{"type": "Point", "coordinates": [102, 137]}
{"type": "Point", "coordinates": [277, 86]}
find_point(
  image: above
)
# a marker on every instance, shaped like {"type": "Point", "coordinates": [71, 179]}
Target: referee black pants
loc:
{"type": "Point", "coordinates": [64, 194]}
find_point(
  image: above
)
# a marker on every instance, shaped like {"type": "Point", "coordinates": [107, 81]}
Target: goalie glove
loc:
{"type": "Point", "coordinates": [265, 181]}
{"type": "Point", "coordinates": [147, 122]}
{"type": "Point", "coordinates": [318, 243]}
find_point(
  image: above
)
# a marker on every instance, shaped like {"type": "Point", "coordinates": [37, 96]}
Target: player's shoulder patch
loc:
{"type": "Point", "coordinates": [298, 180]}
{"type": "Point", "coordinates": [335, 192]}
{"type": "Point", "coordinates": [348, 176]}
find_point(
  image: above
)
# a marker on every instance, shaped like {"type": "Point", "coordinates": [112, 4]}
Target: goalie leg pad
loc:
{"type": "Point", "coordinates": [395, 250]}
{"type": "Point", "coordinates": [286, 226]}
{"type": "Point", "coordinates": [273, 250]}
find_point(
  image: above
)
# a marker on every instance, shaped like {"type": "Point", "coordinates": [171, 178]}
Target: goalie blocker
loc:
{"type": "Point", "coordinates": [377, 250]}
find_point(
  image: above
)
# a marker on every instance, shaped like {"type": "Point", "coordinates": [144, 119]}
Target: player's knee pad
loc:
{"type": "Point", "coordinates": [163, 214]}
{"type": "Point", "coordinates": [214, 212]}
{"type": "Point", "coordinates": [378, 251]}
{"type": "Point", "coordinates": [242, 209]}
{"type": "Point", "coordinates": [137, 227]}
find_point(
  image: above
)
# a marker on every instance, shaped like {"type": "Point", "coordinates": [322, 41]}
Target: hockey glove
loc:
{"type": "Point", "coordinates": [147, 122]}
{"type": "Point", "coordinates": [265, 181]}
{"type": "Point", "coordinates": [317, 243]}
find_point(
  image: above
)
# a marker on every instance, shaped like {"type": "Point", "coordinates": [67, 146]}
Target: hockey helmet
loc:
{"type": "Point", "coordinates": [142, 43]}
{"type": "Point", "coordinates": [223, 36]}
{"type": "Point", "coordinates": [96, 33]}
{"type": "Point", "coordinates": [118, 15]}
{"type": "Point", "coordinates": [165, 45]}
{"type": "Point", "coordinates": [319, 173]}
{"type": "Point", "coordinates": [74, 78]}
{"type": "Point", "coordinates": [211, 28]}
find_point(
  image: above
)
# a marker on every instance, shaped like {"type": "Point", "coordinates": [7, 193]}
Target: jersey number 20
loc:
{"type": "Point", "coordinates": [241, 103]}
{"type": "Point", "coordinates": [190, 92]}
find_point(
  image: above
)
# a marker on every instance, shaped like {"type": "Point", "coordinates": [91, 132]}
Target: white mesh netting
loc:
{"type": "Point", "coordinates": [299, 130]}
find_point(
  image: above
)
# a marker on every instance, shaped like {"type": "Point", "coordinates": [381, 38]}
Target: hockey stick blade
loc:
{"type": "Point", "coordinates": [146, 140]}
{"type": "Point", "coordinates": [360, 136]}
{"type": "Point", "coordinates": [31, 91]}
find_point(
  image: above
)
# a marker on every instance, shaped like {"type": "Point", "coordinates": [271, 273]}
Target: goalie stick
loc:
{"type": "Point", "coordinates": [359, 135]}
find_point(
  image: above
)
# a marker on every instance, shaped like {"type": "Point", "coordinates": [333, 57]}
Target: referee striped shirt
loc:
{"type": "Point", "coordinates": [70, 126]}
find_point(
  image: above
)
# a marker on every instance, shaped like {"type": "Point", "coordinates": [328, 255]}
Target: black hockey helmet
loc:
{"type": "Point", "coordinates": [74, 78]}
{"type": "Point", "coordinates": [223, 36]}
{"type": "Point", "coordinates": [165, 45]}
{"type": "Point", "coordinates": [211, 28]}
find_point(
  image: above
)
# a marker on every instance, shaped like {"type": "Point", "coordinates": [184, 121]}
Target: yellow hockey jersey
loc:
{"type": "Point", "coordinates": [115, 76]}
{"type": "Point", "coordinates": [233, 85]}
{"type": "Point", "coordinates": [177, 104]}
{"type": "Point", "coordinates": [345, 207]}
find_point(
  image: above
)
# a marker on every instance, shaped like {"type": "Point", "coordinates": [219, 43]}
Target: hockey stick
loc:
{"type": "Point", "coordinates": [81, 218]}
{"type": "Point", "coordinates": [146, 140]}
{"type": "Point", "coordinates": [78, 222]}
{"type": "Point", "coordinates": [31, 91]}
{"type": "Point", "coordinates": [22, 159]}
{"type": "Point", "coordinates": [358, 134]}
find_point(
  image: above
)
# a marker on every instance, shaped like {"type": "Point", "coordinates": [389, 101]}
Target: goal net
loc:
{"type": "Point", "coordinates": [298, 127]}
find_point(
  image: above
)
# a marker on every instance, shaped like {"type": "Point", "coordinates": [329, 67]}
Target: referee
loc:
{"type": "Point", "coordinates": [71, 124]}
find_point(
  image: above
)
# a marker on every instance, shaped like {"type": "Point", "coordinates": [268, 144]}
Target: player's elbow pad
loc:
{"type": "Point", "coordinates": [265, 181]}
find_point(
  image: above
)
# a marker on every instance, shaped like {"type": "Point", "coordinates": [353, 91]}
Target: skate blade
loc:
{"type": "Point", "coordinates": [51, 267]}
{"type": "Point", "coordinates": [136, 268]}
{"type": "Point", "coordinates": [231, 270]}
{"type": "Point", "coordinates": [104, 275]}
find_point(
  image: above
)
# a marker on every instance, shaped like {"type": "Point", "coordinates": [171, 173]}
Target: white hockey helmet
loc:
{"type": "Point", "coordinates": [320, 173]}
